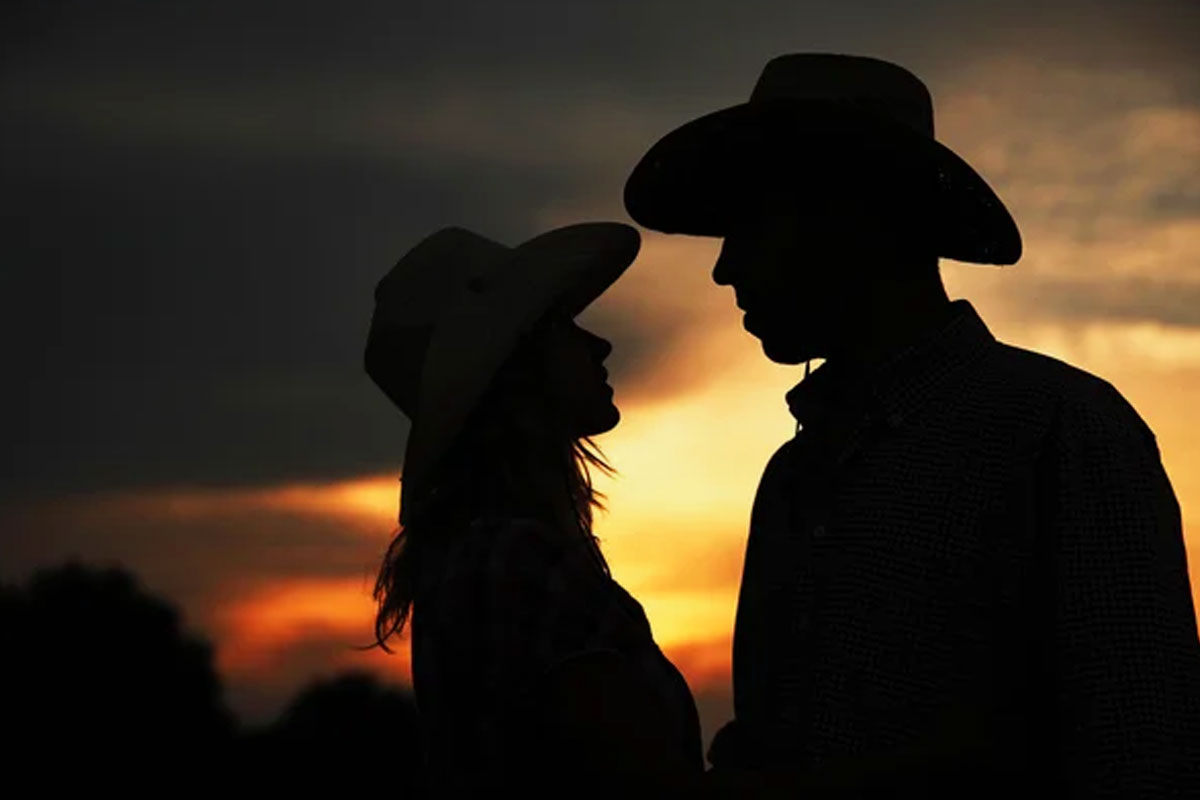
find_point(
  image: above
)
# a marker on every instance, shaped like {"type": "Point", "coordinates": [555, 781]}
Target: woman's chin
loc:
{"type": "Point", "coordinates": [603, 421]}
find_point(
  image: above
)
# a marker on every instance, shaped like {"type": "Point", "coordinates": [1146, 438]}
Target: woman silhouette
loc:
{"type": "Point", "coordinates": [533, 670]}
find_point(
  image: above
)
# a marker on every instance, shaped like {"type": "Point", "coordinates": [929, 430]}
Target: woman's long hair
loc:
{"type": "Point", "coordinates": [515, 438]}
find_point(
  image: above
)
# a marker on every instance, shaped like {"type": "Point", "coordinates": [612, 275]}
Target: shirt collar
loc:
{"type": "Point", "coordinates": [900, 384]}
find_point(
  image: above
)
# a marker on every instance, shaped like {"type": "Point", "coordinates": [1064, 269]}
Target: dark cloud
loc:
{"type": "Point", "coordinates": [231, 40]}
{"type": "Point", "coordinates": [198, 197]}
{"type": "Point", "coordinates": [209, 41]}
{"type": "Point", "coordinates": [199, 560]}
{"type": "Point", "coordinates": [1180, 201]}
{"type": "Point", "coordinates": [188, 317]}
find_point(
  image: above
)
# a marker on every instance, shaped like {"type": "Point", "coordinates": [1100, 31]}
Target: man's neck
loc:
{"type": "Point", "coordinates": [890, 319]}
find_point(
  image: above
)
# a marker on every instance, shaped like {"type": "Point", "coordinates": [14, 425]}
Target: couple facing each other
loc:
{"type": "Point", "coordinates": [965, 573]}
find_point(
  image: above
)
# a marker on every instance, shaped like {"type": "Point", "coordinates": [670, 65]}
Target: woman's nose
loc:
{"type": "Point", "coordinates": [600, 346]}
{"type": "Point", "coordinates": [723, 270]}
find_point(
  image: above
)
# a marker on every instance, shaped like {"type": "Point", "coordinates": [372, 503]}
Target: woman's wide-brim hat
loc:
{"type": "Point", "coordinates": [451, 311]}
{"type": "Point", "coordinates": [817, 124]}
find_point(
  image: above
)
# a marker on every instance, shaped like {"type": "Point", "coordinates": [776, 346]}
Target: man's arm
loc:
{"type": "Point", "coordinates": [1122, 657]}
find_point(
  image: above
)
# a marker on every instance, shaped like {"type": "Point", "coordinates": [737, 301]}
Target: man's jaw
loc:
{"type": "Point", "coordinates": [783, 350]}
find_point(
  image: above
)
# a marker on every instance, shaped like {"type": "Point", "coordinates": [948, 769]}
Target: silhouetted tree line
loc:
{"type": "Point", "coordinates": [103, 686]}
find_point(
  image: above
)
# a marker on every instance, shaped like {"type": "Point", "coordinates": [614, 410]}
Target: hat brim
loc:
{"type": "Point", "coordinates": [700, 177]}
{"type": "Point", "coordinates": [565, 269]}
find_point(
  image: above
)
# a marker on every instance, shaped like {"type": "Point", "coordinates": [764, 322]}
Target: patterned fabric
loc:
{"type": "Point", "coordinates": [971, 559]}
{"type": "Point", "coordinates": [506, 603]}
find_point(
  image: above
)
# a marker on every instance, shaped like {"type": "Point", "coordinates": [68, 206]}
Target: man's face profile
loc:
{"type": "Point", "coordinates": [792, 269]}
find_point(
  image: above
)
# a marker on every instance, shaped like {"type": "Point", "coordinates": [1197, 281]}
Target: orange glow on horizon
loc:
{"type": "Point", "coordinates": [371, 498]}
{"type": "Point", "coordinates": [256, 631]}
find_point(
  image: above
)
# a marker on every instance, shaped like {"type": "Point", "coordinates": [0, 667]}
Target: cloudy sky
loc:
{"type": "Point", "coordinates": [198, 198]}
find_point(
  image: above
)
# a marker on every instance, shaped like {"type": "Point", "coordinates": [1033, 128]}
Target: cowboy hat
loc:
{"type": "Point", "coordinates": [454, 307]}
{"type": "Point", "coordinates": [824, 122]}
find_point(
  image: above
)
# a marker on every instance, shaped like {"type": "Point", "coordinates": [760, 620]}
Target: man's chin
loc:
{"type": "Point", "coordinates": [785, 353]}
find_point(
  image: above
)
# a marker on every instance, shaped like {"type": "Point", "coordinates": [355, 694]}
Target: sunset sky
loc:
{"type": "Point", "coordinates": [198, 198]}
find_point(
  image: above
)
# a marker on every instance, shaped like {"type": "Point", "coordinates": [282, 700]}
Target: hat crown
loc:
{"type": "Point", "coordinates": [426, 279]}
{"type": "Point", "coordinates": [414, 295]}
{"type": "Point", "coordinates": [862, 82]}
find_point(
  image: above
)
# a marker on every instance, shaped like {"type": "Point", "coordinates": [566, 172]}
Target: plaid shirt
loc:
{"type": "Point", "coordinates": [507, 602]}
{"type": "Point", "coordinates": [972, 559]}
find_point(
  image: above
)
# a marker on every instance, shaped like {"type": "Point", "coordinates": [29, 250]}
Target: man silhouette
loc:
{"type": "Point", "coordinates": [965, 574]}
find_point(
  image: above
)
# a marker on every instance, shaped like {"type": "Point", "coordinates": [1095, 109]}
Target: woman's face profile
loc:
{"type": "Point", "coordinates": [576, 380]}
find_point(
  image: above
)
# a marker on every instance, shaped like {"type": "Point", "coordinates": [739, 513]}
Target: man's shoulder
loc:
{"type": "Point", "coordinates": [1030, 369]}
{"type": "Point", "coordinates": [1075, 396]}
